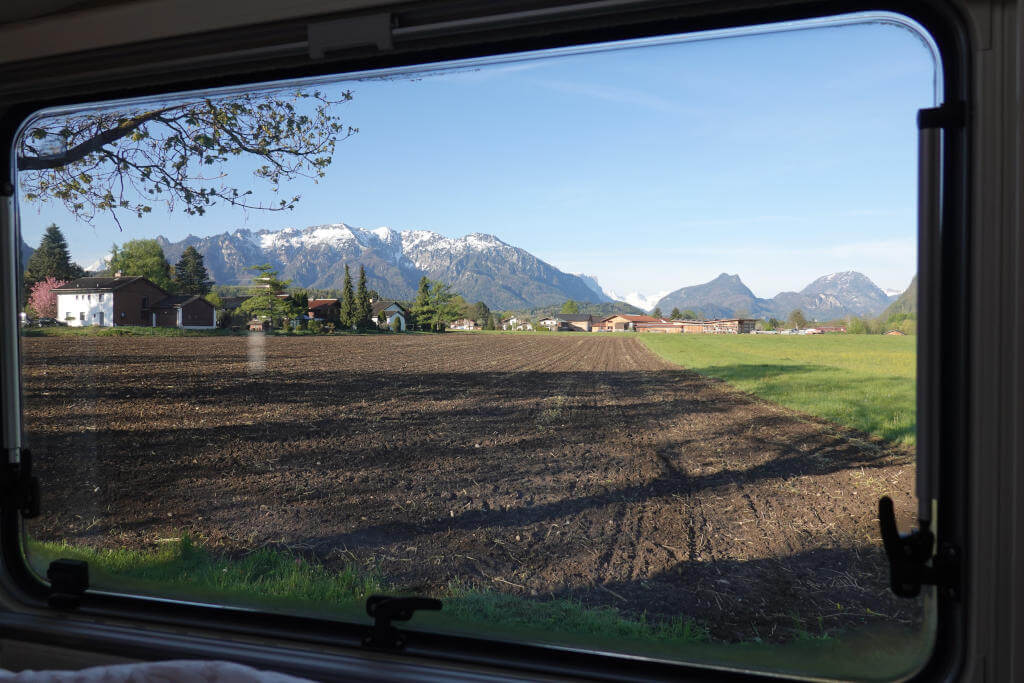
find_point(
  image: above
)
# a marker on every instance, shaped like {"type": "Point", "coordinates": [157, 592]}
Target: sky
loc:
{"type": "Point", "coordinates": [780, 157]}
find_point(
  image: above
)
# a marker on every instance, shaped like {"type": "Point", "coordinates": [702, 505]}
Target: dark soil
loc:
{"type": "Point", "coordinates": [542, 465]}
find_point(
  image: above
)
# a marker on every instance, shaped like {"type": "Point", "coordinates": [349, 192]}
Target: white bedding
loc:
{"type": "Point", "coordinates": [154, 672]}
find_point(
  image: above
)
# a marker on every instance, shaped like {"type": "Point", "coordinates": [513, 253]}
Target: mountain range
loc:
{"type": "Point", "coordinates": [479, 267]}
{"type": "Point", "coordinates": [482, 267]}
{"type": "Point", "coordinates": [827, 298]}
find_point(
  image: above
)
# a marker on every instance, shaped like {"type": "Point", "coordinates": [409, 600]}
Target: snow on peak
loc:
{"type": "Point", "coordinates": [645, 301]}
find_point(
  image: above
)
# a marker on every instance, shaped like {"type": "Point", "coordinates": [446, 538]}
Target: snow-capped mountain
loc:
{"type": "Point", "coordinates": [645, 301]}
{"type": "Point", "coordinates": [834, 296]}
{"type": "Point", "coordinates": [480, 267]}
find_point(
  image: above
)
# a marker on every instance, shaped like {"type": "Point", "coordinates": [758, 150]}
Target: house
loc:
{"type": "Point", "coordinates": [324, 310]}
{"type": "Point", "coordinates": [134, 300]}
{"type": "Point", "coordinates": [548, 322]}
{"type": "Point", "coordinates": [623, 322]}
{"type": "Point", "coordinates": [183, 310]}
{"type": "Point", "coordinates": [382, 309]}
{"type": "Point", "coordinates": [256, 325]}
{"type": "Point", "coordinates": [895, 333]}
{"type": "Point", "coordinates": [718, 326]}
{"type": "Point", "coordinates": [515, 323]}
{"type": "Point", "coordinates": [577, 321]}
{"type": "Point", "coordinates": [463, 324]}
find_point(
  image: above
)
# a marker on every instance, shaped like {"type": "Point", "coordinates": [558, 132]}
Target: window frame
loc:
{"type": "Point", "coordinates": [632, 20]}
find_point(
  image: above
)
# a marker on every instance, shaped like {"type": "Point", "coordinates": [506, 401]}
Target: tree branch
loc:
{"type": "Point", "coordinates": [90, 146]}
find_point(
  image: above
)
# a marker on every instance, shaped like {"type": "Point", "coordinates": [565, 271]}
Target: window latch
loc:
{"type": "Point", "coordinates": [912, 563]}
{"type": "Point", "coordinates": [68, 581]}
{"type": "Point", "coordinates": [19, 488]}
{"type": "Point", "coordinates": [384, 609]}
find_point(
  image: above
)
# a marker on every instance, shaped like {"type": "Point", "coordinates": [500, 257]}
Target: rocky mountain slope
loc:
{"type": "Point", "coordinates": [827, 298]}
{"type": "Point", "coordinates": [480, 267]}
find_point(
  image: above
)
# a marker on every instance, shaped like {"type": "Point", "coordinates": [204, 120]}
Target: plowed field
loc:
{"type": "Point", "coordinates": [544, 465]}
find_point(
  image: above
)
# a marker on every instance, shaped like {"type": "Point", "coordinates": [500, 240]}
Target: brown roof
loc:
{"type": "Point", "coordinates": [179, 300]}
{"type": "Point", "coordinates": [101, 284]}
{"type": "Point", "coordinates": [316, 303]}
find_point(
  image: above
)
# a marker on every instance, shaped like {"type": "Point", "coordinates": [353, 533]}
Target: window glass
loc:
{"type": "Point", "coordinates": [607, 347]}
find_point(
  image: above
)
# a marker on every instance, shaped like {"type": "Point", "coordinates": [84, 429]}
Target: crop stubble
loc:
{"type": "Point", "coordinates": [543, 465]}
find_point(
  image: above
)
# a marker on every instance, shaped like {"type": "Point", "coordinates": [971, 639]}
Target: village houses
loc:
{"type": "Point", "coordinates": [118, 300]}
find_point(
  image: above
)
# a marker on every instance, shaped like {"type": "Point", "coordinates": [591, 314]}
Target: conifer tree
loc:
{"type": "Point", "coordinates": [349, 311]}
{"type": "Point", "coordinates": [51, 259]}
{"type": "Point", "coordinates": [190, 274]}
{"type": "Point", "coordinates": [676, 314]}
{"type": "Point", "coordinates": [656, 313]}
{"type": "Point", "coordinates": [423, 308]}
{"type": "Point", "coordinates": [363, 307]}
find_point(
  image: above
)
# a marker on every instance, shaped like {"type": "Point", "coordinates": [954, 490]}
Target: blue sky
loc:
{"type": "Point", "coordinates": [780, 157]}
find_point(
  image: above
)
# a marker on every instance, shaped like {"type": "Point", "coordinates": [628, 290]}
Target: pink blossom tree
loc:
{"type": "Point", "coordinates": [42, 298]}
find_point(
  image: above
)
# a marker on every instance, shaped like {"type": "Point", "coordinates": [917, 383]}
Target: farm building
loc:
{"type": "Point", "coordinates": [324, 310]}
{"type": "Point", "coordinates": [579, 321]}
{"type": "Point", "coordinates": [623, 322]}
{"type": "Point", "coordinates": [719, 326]}
{"type": "Point", "coordinates": [118, 300]}
{"type": "Point", "coordinates": [184, 310]}
{"type": "Point", "coordinates": [383, 309]}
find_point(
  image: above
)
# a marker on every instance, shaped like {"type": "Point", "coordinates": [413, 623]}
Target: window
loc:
{"type": "Point", "coordinates": [647, 476]}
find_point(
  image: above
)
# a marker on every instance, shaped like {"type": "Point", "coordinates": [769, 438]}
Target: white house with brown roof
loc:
{"type": "Point", "coordinates": [113, 301]}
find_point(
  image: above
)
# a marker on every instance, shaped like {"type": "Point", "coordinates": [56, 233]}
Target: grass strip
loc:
{"type": "Point", "coordinates": [867, 382]}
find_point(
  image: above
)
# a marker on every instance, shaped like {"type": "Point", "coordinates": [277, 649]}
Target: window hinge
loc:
{"type": "Point", "coordinates": [19, 488]}
{"type": "Point", "coordinates": [912, 563]}
{"type": "Point", "coordinates": [68, 581]}
{"type": "Point", "coordinates": [949, 115]}
{"type": "Point", "coordinates": [384, 609]}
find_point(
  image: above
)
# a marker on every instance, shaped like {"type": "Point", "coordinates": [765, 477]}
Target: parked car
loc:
{"type": "Point", "coordinates": [49, 322]}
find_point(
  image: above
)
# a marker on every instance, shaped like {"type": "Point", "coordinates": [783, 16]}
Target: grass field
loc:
{"type": "Point", "coordinates": [862, 381]}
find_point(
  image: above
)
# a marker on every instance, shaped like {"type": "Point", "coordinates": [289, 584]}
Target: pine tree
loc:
{"type": "Point", "coordinates": [190, 274]}
{"type": "Point", "coordinates": [676, 314]}
{"type": "Point", "coordinates": [363, 307]}
{"type": "Point", "coordinates": [349, 311]}
{"type": "Point", "coordinates": [422, 308]}
{"type": "Point", "coordinates": [51, 259]}
{"type": "Point", "coordinates": [656, 313]}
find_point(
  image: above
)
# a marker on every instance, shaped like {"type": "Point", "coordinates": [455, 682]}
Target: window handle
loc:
{"type": "Point", "coordinates": [912, 563]}
{"type": "Point", "coordinates": [384, 609]}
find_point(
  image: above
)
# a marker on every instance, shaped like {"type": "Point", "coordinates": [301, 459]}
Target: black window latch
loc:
{"type": "Point", "coordinates": [68, 581]}
{"type": "Point", "coordinates": [384, 609]}
{"type": "Point", "coordinates": [19, 488]}
{"type": "Point", "coordinates": [911, 562]}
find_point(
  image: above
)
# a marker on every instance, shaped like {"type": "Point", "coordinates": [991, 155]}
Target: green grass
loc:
{"type": "Point", "coordinates": [866, 382]}
{"type": "Point", "coordinates": [275, 579]}
{"type": "Point", "coordinates": [269, 579]}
